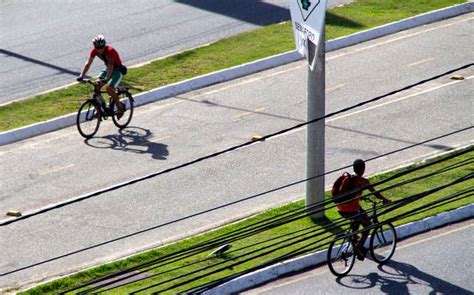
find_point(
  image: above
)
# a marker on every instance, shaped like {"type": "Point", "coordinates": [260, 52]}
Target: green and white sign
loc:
{"type": "Point", "coordinates": [307, 17]}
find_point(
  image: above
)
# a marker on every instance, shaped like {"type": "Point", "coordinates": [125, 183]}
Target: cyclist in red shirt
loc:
{"type": "Point", "coordinates": [352, 209]}
{"type": "Point", "coordinates": [111, 75]}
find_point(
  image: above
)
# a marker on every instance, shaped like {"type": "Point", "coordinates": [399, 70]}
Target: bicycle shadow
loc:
{"type": "Point", "coordinates": [131, 139]}
{"type": "Point", "coordinates": [330, 226]}
{"type": "Point", "coordinates": [396, 279]}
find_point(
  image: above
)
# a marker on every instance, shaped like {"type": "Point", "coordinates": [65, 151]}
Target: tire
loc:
{"type": "Point", "coordinates": [341, 258]}
{"type": "Point", "coordinates": [383, 243]}
{"type": "Point", "coordinates": [88, 118]}
{"type": "Point", "coordinates": [127, 99]}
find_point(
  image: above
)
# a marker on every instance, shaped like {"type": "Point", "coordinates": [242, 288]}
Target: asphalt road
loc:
{"type": "Point", "coordinates": [60, 165]}
{"type": "Point", "coordinates": [44, 44]}
{"type": "Point", "coordinates": [436, 262]}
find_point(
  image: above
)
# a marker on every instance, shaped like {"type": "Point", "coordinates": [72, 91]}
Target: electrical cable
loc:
{"type": "Point", "coordinates": [215, 208]}
{"type": "Point", "coordinates": [199, 270]}
{"type": "Point", "coordinates": [424, 194]}
{"type": "Point", "coordinates": [444, 169]}
{"type": "Point", "coordinates": [319, 232]}
{"type": "Point", "coordinates": [230, 149]}
{"type": "Point", "coordinates": [430, 206]}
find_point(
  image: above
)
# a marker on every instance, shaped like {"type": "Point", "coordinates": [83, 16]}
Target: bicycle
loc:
{"type": "Point", "coordinates": [93, 110]}
{"type": "Point", "coordinates": [382, 243]}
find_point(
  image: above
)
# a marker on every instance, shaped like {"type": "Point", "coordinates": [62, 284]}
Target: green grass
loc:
{"type": "Point", "coordinates": [449, 170]}
{"type": "Point", "coordinates": [247, 47]}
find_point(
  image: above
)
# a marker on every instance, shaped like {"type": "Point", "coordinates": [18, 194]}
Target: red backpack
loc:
{"type": "Point", "coordinates": [342, 185]}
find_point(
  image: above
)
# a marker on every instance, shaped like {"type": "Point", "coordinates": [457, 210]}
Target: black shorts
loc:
{"type": "Point", "coordinates": [357, 217]}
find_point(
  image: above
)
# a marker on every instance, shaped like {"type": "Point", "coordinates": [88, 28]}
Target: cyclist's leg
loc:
{"type": "Point", "coordinates": [354, 224]}
{"type": "Point", "coordinates": [358, 218]}
{"type": "Point", "coordinates": [358, 241]}
{"type": "Point", "coordinates": [115, 79]}
{"type": "Point", "coordinates": [112, 85]}
{"type": "Point", "coordinates": [355, 227]}
{"type": "Point", "coordinates": [102, 75]}
{"type": "Point", "coordinates": [363, 220]}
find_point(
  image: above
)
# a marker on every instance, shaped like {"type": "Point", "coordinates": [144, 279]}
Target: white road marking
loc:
{"type": "Point", "coordinates": [148, 141]}
{"type": "Point", "coordinates": [246, 81]}
{"type": "Point", "coordinates": [303, 65]}
{"type": "Point", "coordinates": [380, 105]}
{"type": "Point", "coordinates": [420, 62]}
{"type": "Point", "coordinates": [40, 144]}
{"type": "Point", "coordinates": [249, 113]}
{"type": "Point", "coordinates": [56, 169]}
{"type": "Point", "coordinates": [159, 106]}
{"type": "Point", "coordinates": [334, 88]}
{"type": "Point", "coordinates": [397, 100]}
{"type": "Point", "coordinates": [157, 140]}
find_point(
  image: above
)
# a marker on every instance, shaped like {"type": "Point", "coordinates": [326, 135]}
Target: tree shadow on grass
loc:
{"type": "Point", "coordinates": [340, 21]}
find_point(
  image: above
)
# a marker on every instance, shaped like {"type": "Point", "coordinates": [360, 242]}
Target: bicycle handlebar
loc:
{"type": "Point", "coordinates": [85, 81]}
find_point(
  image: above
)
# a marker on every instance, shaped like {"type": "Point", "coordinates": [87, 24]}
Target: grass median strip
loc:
{"type": "Point", "coordinates": [184, 265]}
{"type": "Point", "coordinates": [243, 48]}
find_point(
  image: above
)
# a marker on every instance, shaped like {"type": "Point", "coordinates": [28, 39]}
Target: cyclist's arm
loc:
{"type": "Point", "coordinates": [87, 66]}
{"type": "Point", "coordinates": [375, 192]}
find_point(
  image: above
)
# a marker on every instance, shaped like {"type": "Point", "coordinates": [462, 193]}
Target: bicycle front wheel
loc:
{"type": "Point", "coordinates": [88, 119]}
{"type": "Point", "coordinates": [127, 99]}
{"type": "Point", "coordinates": [383, 242]}
{"type": "Point", "coordinates": [341, 258]}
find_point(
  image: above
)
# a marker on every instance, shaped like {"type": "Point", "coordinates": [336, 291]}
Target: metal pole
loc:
{"type": "Point", "coordinates": [315, 140]}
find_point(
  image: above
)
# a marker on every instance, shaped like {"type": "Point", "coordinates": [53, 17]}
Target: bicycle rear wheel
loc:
{"type": "Point", "coordinates": [127, 99]}
{"type": "Point", "coordinates": [341, 258]}
{"type": "Point", "coordinates": [88, 119]}
{"type": "Point", "coordinates": [383, 242]}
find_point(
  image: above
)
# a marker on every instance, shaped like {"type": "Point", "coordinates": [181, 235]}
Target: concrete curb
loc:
{"type": "Point", "coordinates": [311, 260]}
{"type": "Point", "coordinates": [244, 70]}
{"type": "Point", "coordinates": [391, 28]}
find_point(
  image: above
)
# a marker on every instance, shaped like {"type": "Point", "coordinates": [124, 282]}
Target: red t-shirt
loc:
{"type": "Point", "coordinates": [110, 54]}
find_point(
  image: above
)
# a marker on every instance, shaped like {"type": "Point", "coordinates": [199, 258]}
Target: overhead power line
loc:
{"type": "Point", "coordinates": [249, 230]}
{"type": "Point", "coordinates": [230, 149]}
{"type": "Point", "coordinates": [194, 215]}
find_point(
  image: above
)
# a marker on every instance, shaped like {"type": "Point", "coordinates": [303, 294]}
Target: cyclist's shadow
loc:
{"type": "Point", "coordinates": [396, 277]}
{"type": "Point", "coordinates": [131, 139]}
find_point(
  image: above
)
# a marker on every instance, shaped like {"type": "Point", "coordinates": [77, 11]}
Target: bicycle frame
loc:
{"type": "Point", "coordinates": [373, 216]}
{"type": "Point", "coordinates": [105, 107]}
{"type": "Point", "coordinates": [382, 235]}
{"type": "Point", "coordinates": [101, 110]}
{"type": "Point", "coordinates": [105, 111]}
